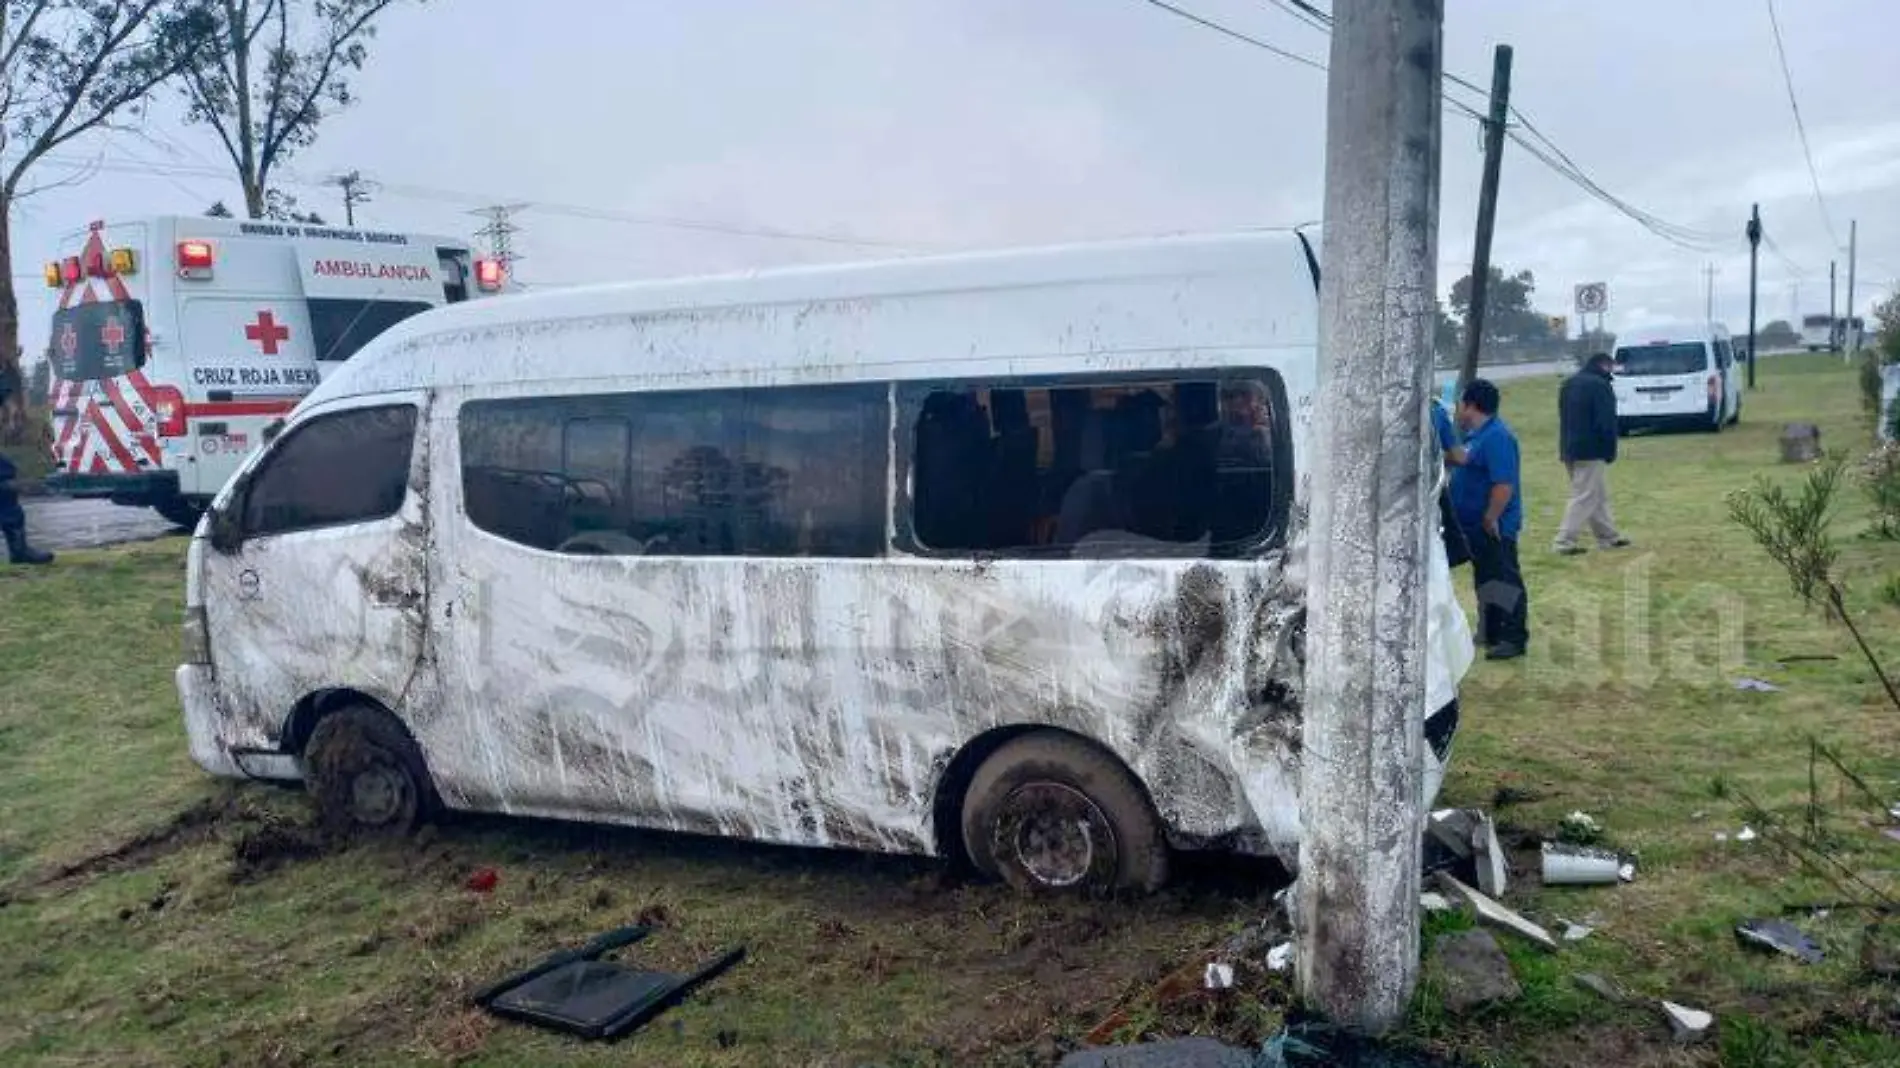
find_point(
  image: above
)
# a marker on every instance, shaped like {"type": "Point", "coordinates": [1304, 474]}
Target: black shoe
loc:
{"type": "Point", "coordinates": [19, 552]}
{"type": "Point", "coordinates": [1504, 651]}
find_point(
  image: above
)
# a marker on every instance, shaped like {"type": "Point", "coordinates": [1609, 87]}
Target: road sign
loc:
{"type": "Point", "coordinates": [1593, 298]}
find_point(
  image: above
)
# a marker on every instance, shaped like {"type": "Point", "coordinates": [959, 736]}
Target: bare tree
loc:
{"type": "Point", "coordinates": [67, 68]}
{"type": "Point", "coordinates": [276, 68]}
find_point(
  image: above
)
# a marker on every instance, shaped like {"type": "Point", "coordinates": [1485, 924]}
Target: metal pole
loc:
{"type": "Point", "coordinates": [1708, 301]}
{"type": "Point", "coordinates": [1357, 913]}
{"type": "Point", "coordinates": [1754, 253]}
{"type": "Point", "coordinates": [1487, 209]}
{"type": "Point", "coordinates": [1853, 249]}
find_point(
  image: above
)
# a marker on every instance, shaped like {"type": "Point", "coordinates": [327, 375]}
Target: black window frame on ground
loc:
{"type": "Point", "coordinates": [911, 398]}
{"type": "Point", "coordinates": [252, 525]}
{"type": "Point", "coordinates": [728, 487]}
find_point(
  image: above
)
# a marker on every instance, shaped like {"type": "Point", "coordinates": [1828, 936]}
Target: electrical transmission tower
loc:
{"type": "Point", "coordinates": [356, 190]}
{"type": "Point", "coordinates": [500, 233]}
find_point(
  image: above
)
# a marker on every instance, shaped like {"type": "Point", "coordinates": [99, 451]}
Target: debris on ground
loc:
{"type": "Point", "coordinates": [1687, 1024]}
{"type": "Point", "coordinates": [1880, 951]}
{"type": "Point", "coordinates": [1472, 971]}
{"type": "Point", "coordinates": [1600, 986]}
{"type": "Point", "coordinates": [1756, 686]}
{"type": "Point", "coordinates": [1580, 828]}
{"type": "Point", "coordinates": [1627, 871]}
{"type": "Point", "coordinates": [1219, 977]}
{"type": "Point", "coordinates": [1280, 957]}
{"type": "Point", "coordinates": [1570, 865]}
{"type": "Point", "coordinates": [1577, 932]}
{"type": "Point", "coordinates": [576, 992]}
{"type": "Point", "coordinates": [1466, 840]}
{"type": "Point", "coordinates": [1497, 915]}
{"type": "Point", "coordinates": [1318, 1045]}
{"type": "Point", "coordinates": [1746, 834]}
{"type": "Point", "coordinates": [484, 880]}
{"type": "Point", "coordinates": [1172, 1053]}
{"type": "Point", "coordinates": [1432, 901]}
{"type": "Point", "coordinates": [1779, 936]}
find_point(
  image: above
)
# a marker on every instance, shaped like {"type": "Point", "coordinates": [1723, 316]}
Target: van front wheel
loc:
{"type": "Point", "coordinates": [366, 773]}
{"type": "Point", "coordinates": [1049, 813]}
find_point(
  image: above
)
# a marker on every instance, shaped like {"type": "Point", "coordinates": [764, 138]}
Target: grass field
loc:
{"type": "Point", "coordinates": [149, 915]}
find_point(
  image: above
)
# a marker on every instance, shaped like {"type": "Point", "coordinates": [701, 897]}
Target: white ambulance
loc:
{"type": "Point", "coordinates": [179, 339]}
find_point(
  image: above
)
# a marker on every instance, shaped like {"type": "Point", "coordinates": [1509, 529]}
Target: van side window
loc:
{"type": "Point", "coordinates": [800, 471]}
{"type": "Point", "coordinates": [339, 327]}
{"type": "Point", "coordinates": [1723, 354]}
{"type": "Point", "coordinates": [1170, 468]}
{"type": "Point", "coordinates": [350, 467]}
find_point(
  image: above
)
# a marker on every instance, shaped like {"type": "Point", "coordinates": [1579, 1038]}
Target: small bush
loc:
{"type": "Point", "coordinates": [1880, 478]}
{"type": "Point", "coordinates": [1890, 590]}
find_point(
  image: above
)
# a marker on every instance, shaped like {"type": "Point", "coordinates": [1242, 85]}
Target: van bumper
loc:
{"type": "Point", "coordinates": [197, 692]}
{"type": "Point", "coordinates": [142, 489]}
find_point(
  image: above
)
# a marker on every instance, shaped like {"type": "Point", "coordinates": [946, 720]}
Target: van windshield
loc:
{"type": "Point", "coordinates": [1686, 358]}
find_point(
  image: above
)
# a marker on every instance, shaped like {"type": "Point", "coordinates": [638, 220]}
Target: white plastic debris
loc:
{"type": "Point", "coordinates": [1280, 957]}
{"type": "Point", "coordinates": [1497, 915]}
{"type": "Point", "coordinates": [1568, 865]}
{"type": "Point", "coordinates": [1431, 901]}
{"type": "Point", "coordinates": [1219, 976]}
{"type": "Point", "coordinates": [1577, 932]}
{"type": "Point", "coordinates": [1688, 1025]}
{"type": "Point", "coordinates": [1756, 686]}
{"type": "Point", "coordinates": [1627, 872]}
{"type": "Point", "coordinates": [1488, 856]}
{"type": "Point", "coordinates": [1746, 834]}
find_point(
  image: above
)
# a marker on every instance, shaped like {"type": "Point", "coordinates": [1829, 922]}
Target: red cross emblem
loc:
{"type": "Point", "coordinates": [112, 335]}
{"type": "Point", "coordinates": [68, 341]}
{"type": "Point", "coordinates": [267, 332]}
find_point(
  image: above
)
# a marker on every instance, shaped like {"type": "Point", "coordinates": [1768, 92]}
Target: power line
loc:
{"type": "Point", "coordinates": [1781, 53]}
{"type": "Point", "coordinates": [1305, 14]}
{"type": "Point", "coordinates": [1237, 35]}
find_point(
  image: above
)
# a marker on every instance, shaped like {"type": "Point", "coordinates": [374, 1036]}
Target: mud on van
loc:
{"type": "Point", "coordinates": [992, 557]}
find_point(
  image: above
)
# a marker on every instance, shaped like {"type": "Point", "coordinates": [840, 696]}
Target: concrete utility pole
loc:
{"type": "Point", "coordinates": [355, 191]}
{"type": "Point", "coordinates": [1494, 126]}
{"type": "Point", "coordinates": [1708, 301]}
{"type": "Point", "coordinates": [1754, 253]}
{"type": "Point", "coordinates": [1853, 250]}
{"type": "Point", "coordinates": [1357, 911]}
{"type": "Point", "coordinates": [1832, 305]}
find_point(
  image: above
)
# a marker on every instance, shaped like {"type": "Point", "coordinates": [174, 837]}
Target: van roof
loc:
{"type": "Point", "coordinates": [1238, 291]}
{"type": "Point", "coordinates": [1685, 331]}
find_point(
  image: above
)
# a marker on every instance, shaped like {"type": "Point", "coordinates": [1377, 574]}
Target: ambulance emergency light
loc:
{"type": "Point", "coordinates": [488, 275]}
{"type": "Point", "coordinates": [194, 259]}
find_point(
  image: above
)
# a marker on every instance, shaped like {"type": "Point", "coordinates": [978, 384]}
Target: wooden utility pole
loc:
{"type": "Point", "coordinates": [355, 191]}
{"type": "Point", "coordinates": [1754, 253]}
{"type": "Point", "coordinates": [1494, 127]}
{"type": "Point", "coordinates": [1357, 906]}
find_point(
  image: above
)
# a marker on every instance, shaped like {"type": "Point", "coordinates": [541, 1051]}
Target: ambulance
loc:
{"type": "Point", "coordinates": [178, 340]}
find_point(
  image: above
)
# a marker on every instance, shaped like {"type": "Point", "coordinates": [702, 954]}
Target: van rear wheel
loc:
{"type": "Point", "coordinates": [1049, 813]}
{"type": "Point", "coordinates": [366, 774]}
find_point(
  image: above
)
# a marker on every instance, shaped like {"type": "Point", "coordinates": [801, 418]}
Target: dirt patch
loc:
{"type": "Point", "coordinates": [259, 852]}
{"type": "Point", "coordinates": [194, 825]}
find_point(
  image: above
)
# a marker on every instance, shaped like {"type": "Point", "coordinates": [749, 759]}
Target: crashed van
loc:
{"type": "Point", "coordinates": [994, 557]}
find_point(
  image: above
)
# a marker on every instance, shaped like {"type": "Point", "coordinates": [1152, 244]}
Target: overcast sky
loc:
{"type": "Point", "coordinates": [940, 124]}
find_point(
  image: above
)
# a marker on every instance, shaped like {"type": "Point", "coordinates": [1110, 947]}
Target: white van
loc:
{"type": "Point", "coordinates": [992, 557]}
{"type": "Point", "coordinates": [178, 339]}
{"type": "Point", "coordinates": [1687, 376]}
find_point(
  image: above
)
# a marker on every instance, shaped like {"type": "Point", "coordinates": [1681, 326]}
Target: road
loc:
{"type": "Point", "coordinates": [57, 523]}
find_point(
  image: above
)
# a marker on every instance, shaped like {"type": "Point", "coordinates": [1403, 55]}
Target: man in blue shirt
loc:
{"type": "Point", "coordinates": [1487, 496]}
{"type": "Point", "coordinates": [1451, 454]}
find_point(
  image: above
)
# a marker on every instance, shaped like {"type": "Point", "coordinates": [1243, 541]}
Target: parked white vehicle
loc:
{"type": "Point", "coordinates": [1683, 375]}
{"type": "Point", "coordinates": [1818, 332]}
{"type": "Point", "coordinates": [177, 339]}
{"type": "Point", "coordinates": [992, 557]}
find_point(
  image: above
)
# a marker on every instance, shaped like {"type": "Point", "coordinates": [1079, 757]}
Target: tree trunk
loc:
{"type": "Point", "coordinates": [253, 196]}
{"type": "Point", "coordinates": [13, 421]}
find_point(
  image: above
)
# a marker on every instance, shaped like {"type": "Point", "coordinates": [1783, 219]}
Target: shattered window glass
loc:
{"type": "Point", "coordinates": [1165, 468]}
{"type": "Point", "coordinates": [800, 471]}
{"type": "Point", "coordinates": [350, 467]}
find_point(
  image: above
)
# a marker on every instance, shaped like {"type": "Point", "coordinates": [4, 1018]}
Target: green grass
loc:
{"type": "Point", "coordinates": [175, 953]}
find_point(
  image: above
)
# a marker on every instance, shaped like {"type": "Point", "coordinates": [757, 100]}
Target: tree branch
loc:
{"type": "Point", "coordinates": [20, 36]}
{"type": "Point", "coordinates": [338, 43]}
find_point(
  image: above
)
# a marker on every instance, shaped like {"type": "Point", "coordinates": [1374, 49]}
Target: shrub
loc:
{"type": "Point", "coordinates": [1880, 478]}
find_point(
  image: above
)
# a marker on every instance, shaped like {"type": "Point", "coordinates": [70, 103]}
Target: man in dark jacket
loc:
{"type": "Point", "coordinates": [12, 516]}
{"type": "Point", "coordinates": [1586, 435]}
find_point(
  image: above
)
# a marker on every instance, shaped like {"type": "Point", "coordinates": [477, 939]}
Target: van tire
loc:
{"type": "Point", "coordinates": [366, 774]}
{"type": "Point", "coordinates": [1036, 787]}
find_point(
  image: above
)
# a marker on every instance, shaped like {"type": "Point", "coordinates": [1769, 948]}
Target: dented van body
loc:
{"type": "Point", "coordinates": [796, 556]}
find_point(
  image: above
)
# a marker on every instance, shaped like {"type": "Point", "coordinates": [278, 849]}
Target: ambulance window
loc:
{"type": "Point", "coordinates": [340, 327]}
{"type": "Point", "coordinates": [351, 467]}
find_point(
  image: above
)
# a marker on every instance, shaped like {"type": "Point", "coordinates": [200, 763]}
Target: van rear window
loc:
{"type": "Point", "coordinates": [1684, 358]}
